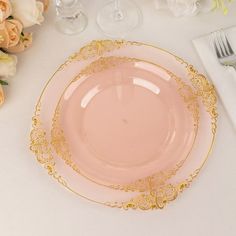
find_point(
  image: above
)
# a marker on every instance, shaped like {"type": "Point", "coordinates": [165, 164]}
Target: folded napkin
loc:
{"type": "Point", "coordinates": [224, 78]}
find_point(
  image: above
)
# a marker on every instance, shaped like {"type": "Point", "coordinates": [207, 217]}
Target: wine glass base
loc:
{"type": "Point", "coordinates": [72, 25]}
{"type": "Point", "coordinates": [118, 22]}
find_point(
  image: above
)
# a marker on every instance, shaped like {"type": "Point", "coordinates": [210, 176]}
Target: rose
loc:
{"type": "Point", "coordinates": [24, 43]}
{"type": "Point", "coordinates": [29, 12]}
{"type": "Point", "coordinates": [10, 31]}
{"type": "Point", "coordinates": [183, 7]}
{"type": "Point", "coordinates": [7, 65]}
{"type": "Point", "coordinates": [179, 7]}
{"type": "Point", "coordinates": [5, 9]}
{"type": "Point", "coordinates": [1, 95]}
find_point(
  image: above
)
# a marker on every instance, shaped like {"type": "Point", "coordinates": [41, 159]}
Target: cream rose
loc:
{"type": "Point", "coordinates": [5, 9]}
{"type": "Point", "coordinates": [10, 31]}
{"type": "Point", "coordinates": [23, 44]}
{"type": "Point", "coordinates": [7, 65]}
{"type": "Point", "coordinates": [29, 12]}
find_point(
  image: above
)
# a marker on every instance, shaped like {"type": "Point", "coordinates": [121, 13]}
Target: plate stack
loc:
{"type": "Point", "coordinates": [125, 124]}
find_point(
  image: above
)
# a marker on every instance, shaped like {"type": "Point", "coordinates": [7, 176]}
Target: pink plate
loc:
{"type": "Point", "coordinates": [126, 122]}
{"type": "Point", "coordinates": [156, 193]}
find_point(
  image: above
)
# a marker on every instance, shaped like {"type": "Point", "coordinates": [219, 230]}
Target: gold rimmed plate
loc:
{"type": "Point", "coordinates": [122, 120]}
{"type": "Point", "coordinates": [155, 197]}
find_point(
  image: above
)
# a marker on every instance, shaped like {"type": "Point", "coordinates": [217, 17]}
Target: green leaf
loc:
{"type": "Point", "coordinates": [2, 82]}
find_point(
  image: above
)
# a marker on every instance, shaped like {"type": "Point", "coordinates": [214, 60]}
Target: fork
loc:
{"type": "Point", "coordinates": [223, 49]}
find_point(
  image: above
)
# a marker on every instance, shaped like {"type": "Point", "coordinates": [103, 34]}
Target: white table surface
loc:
{"type": "Point", "coordinates": [32, 204]}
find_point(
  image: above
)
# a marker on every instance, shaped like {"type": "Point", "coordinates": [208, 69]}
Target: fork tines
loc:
{"type": "Point", "coordinates": [222, 45]}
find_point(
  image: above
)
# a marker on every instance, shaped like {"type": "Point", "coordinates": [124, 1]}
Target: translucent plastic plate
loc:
{"type": "Point", "coordinates": [158, 194]}
{"type": "Point", "coordinates": [125, 121]}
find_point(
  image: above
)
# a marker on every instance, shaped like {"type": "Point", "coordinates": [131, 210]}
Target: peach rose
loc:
{"type": "Point", "coordinates": [24, 43]}
{"type": "Point", "coordinates": [5, 9]}
{"type": "Point", "coordinates": [10, 31]}
{"type": "Point", "coordinates": [1, 95]}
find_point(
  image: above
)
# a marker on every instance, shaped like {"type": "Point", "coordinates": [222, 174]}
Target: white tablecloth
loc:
{"type": "Point", "coordinates": [32, 204]}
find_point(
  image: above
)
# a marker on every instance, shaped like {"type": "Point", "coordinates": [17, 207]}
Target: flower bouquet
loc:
{"type": "Point", "coordinates": [15, 16]}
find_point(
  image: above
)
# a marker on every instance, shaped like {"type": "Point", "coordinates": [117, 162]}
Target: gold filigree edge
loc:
{"type": "Point", "coordinates": [41, 147]}
{"type": "Point", "coordinates": [143, 201]}
{"type": "Point", "coordinates": [95, 49]}
{"type": "Point", "coordinates": [42, 150]}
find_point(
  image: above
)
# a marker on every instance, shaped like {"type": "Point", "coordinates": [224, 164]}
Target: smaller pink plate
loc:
{"type": "Point", "coordinates": [124, 120]}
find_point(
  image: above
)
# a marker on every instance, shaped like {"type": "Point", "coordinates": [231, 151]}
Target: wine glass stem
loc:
{"type": "Point", "coordinates": [118, 13]}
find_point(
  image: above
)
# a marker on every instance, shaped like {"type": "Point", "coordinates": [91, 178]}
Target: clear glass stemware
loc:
{"type": "Point", "coordinates": [70, 18]}
{"type": "Point", "coordinates": [119, 17]}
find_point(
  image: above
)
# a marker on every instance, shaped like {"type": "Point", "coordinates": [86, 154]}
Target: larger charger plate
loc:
{"type": "Point", "coordinates": [154, 197]}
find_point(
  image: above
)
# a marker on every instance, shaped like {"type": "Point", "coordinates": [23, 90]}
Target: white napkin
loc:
{"type": "Point", "coordinates": [224, 78]}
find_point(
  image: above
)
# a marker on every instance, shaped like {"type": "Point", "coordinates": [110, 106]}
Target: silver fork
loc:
{"type": "Point", "coordinates": [223, 49]}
